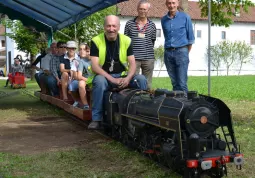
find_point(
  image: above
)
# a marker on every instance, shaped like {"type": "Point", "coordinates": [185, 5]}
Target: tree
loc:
{"type": "Point", "coordinates": [244, 53]}
{"type": "Point", "coordinates": [223, 10]}
{"type": "Point", "coordinates": [159, 55]}
{"type": "Point", "coordinates": [87, 28]}
{"type": "Point", "coordinates": [228, 54]}
{"type": "Point", "coordinates": [215, 57]}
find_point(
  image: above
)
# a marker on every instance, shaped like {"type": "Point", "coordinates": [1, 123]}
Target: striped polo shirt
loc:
{"type": "Point", "coordinates": [142, 46]}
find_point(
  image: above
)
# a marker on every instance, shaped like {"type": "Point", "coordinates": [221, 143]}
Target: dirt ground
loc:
{"type": "Point", "coordinates": [43, 134]}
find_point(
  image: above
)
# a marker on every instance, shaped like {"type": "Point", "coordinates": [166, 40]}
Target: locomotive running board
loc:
{"type": "Point", "coordinates": [154, 123]}
{"type": "Point", "coordinates": [135, 117]}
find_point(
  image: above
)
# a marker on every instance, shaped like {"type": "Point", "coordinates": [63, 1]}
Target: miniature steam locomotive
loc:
{"type": "Point", "coordinates": [176, 130]}
{"type": "Point", "coordinates": [193, 135]}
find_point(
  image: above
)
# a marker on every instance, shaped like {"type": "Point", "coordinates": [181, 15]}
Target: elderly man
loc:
{"type": "Point", "coordinates": [142, 31]}
{"type": "Point", "coordinates": [179, 37]}
{"type": "Point", "coordinates": [113, 61]}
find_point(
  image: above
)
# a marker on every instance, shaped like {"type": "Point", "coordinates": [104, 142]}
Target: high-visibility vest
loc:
{"type": "Point", "coordinates": [124, 43]}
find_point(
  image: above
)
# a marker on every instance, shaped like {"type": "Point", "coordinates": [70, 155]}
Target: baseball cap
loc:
{"type": "Point", "coordinates": [71, 44]}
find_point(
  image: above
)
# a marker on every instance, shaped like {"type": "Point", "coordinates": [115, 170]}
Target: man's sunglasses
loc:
{"type": "Point", "coordinates": [62, 47]}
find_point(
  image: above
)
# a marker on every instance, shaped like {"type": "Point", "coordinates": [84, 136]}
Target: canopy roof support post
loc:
{"type": "Point", "coordinates": [209, 47]}
{"type": "Point", "coordinates": [50, 37]}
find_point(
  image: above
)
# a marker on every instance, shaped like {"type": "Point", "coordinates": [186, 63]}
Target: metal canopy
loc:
{"type": "Point", "coordinates": [47, 15]}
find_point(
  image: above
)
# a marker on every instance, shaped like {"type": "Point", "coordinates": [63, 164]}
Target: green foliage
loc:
{"type": "Point", "coordinates": [159, 53]}
{"type": "Point", "coordinates": [159, 56]}
{"type": "Point", "coordinates": [244, 53]}
{"type": "Point", "coordinates": [223, 10]}
{"type": "Point", "coordinates": [86, 28]}
{"type": "Point", "coordinates": [228, 52]}
{"type": "Point", "coordinates": [215, 57]}
{"type": "Point", "coordinates": [27, 40]}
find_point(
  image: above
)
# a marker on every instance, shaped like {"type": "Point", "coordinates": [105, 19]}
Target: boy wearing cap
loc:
{"type": "Point", "coordinates": [80, 66]}
{"type": "Point", "coordinates": [65, 66]}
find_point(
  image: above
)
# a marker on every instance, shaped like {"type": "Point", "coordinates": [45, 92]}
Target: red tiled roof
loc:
{"type": "Point", "coordinates": [158, 9]}
{"type": "Point", "coordinates": [129, 8]}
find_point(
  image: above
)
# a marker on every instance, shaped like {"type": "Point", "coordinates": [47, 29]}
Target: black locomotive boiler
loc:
{"type": "Point", "coordinates": [193, 135]}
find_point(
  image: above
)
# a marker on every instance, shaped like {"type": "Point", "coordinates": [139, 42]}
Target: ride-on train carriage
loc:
{"type": "Point", "coordinates": [193, 135]}
{"type": "Point", "coordinates": [17, 80]}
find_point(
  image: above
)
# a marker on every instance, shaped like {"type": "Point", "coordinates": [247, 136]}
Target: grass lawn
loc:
{"type": "Point", "coordinates": [116, 160]}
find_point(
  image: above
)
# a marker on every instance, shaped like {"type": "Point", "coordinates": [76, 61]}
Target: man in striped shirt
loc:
{"type": "Point", "coordinates": [142, 31]}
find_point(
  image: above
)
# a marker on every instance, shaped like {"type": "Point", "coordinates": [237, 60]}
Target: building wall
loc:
{"type": "Point", "coordinates": [198, 63]}
{"type": "Point", "coordinates": [9, 48]}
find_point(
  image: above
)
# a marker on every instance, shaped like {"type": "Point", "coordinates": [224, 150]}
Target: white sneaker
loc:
{"type": "Point", "coordinates": [75, 104]}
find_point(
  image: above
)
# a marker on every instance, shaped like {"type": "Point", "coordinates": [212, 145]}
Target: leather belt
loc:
{"type": "Point", "coordinates": [175, 48]}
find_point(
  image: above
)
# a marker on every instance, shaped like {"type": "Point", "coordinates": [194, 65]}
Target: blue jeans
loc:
{"type": "Point", "coordinates": [52, 85]}
{"type": "Point", "coordinates": [177, 62]}
{"type": "Point", "coordinates": [73, 85]}
{"type": "Point", "coordinates": [37, 77]}
{"type": "Point", "coordinates": [101, 84]}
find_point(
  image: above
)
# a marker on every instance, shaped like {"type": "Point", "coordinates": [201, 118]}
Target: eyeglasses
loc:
{"type": "Point", "coordinates": [72, 48]}
{"type": "Point", "coordinates": [62, 47]}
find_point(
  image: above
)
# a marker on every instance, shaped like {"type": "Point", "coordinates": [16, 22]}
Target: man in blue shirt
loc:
{"type": "Point", "coordinates": [179, 37]}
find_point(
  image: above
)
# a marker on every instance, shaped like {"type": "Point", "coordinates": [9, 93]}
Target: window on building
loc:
{"type": "Point", "coordinates": [223, 35]}
{"type": "Point", "coordinates": [199, 33]}
{"type": "Point", "coordinates": [158, 33]}
{"type": "Point", "coordinates": [3, 43]}
{"type": "Point", "coordinates": [252, 37]}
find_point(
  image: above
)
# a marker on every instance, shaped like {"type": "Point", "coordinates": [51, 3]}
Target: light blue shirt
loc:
{"type": "Point", "coordinates": [84, 67]}
{"type": "Point", "coordinates": [178, 31]}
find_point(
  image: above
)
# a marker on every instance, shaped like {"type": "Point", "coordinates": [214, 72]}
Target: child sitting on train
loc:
{"type": "Point", "coordinates": [84, 73]}
{"type": "Point", "coordinates": [65, 66]}
{"type": "Point", "coordinates": [83, 66]}
{"type": "Point", "coordinates": [73, 83]}
{"type": "Point", "coordinates": [16, 67]}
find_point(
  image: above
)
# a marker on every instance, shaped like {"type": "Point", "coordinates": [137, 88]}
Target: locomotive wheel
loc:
{"type": "Point", "coordinates": [190, 173]}
{"type": "Point", "coordinates": [169, 158]}
{"type": "Point", "coordinates": [143, 143]}
{"type": "Point", "coordinates": [116, 133]}
{"type": "Point", "coordinates": [157, 156]}
{"type": "Point", "coordinates": [127, 141]}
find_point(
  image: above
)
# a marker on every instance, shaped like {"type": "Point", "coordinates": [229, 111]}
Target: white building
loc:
{"type": "Point", "coordinates": [243, 29]}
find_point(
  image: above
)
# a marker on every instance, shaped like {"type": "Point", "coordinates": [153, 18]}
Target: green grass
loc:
{"type": "Point", "coordinates": [116, 161]}
{"type": "Point", "coordinates": [224, 87]}
{"type": "Point", "coordinates": [81, 163]}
